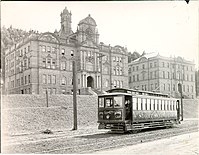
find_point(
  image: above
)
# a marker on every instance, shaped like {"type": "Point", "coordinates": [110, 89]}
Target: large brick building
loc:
{"type": "Point", "coordinates": [43, 61]}
{"type": "Point", "coordinates": [153, 72]}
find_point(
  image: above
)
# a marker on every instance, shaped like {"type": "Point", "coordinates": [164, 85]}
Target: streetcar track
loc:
{"type": "Point", "coordinates": [128, 141]}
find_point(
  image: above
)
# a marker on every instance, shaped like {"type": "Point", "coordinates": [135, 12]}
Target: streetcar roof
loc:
{"type": "Point", "coordinates": [127, 94]}
{"type": "Point", "coordinates": [114, 94]}
{"type": "Point", "coordinates": [138, 91]}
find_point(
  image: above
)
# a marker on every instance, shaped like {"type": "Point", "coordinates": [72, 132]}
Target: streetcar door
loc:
{"type": "Point", "coordinates": [128, 107]}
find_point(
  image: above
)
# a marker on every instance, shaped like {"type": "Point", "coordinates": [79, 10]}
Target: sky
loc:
{"type": "Point", "coordinates": [169, 28]}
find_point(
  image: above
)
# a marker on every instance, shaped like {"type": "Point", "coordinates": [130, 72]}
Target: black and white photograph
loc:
{"type": "Point", "coordinates": [100, 77]}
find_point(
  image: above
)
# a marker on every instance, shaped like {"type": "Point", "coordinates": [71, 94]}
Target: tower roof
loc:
{"type": "Point", "coordinates": [65, 11]}
{"type": "Point", "coordinates": [88, 20]}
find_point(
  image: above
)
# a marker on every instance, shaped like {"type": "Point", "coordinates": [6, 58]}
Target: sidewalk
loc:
{"type": "Point", "coordinates": [187, 144]}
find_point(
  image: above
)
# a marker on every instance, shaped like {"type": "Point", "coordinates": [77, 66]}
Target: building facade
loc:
{"type": "Point", "coordinates": [43, 62]}
{"type": "Point", "coordinates": [163, 74]}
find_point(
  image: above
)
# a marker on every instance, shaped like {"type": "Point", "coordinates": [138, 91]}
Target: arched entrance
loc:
{"type": "Point", "coordinates": [90, 82]}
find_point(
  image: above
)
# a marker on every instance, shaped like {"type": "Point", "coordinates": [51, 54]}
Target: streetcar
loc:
{"type": "Point", "coordinates": [121, 110]}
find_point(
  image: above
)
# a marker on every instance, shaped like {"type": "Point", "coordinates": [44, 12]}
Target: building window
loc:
{"type": "Point", "coordinates": [28, 78]}
{"type": "Point", "coordinates": [187, 77]}
{"type": "Point", "coordinates": [114, 71]}
{"type": "Point", "coordinates": [49, 79]}
{"type": "Point", "coordinates": [44, 62]}
{"type": "Point", "coordinates": [183, 88]}
{"type": "Point", "coordinates": [54, 79]}
{"type": "Point", "coordinates": [63, 51]}
{"type": "Point", "coordinates": [71, 66]}
{"type": "Point", "coordinates": [53, 64]}
{"type": "Point", "coordinates": [162, 64]}
{"type": "Point", "coordinates": [163, 74]}
{"type": "Point", "coordinates": [48, 49]}
{"type": "Point", "coordinates": [143, 76]}
{"type": "Point", "coordinates": [106, 83]}
{"type": "Point", "coordinates": [191, 77]}
{"type": "Point", "coordinates": [63, 81]}
{"type": "Point", "coordinates": [113, 59]}
{"type": "Point", "coordinates": [28, 48]}
{"type": "Point", "coordinates": [54, 91]}
{"type": "Point", "coordinates": [63, 65]}
{"type": "Point", "coordinates": [168, 87]}
{"type": "Point", "coordinates": [133, 69]}
{"type": "Point", "coordinates": [174, 88]}
{"type": "Point", "coordinates": [48, 63]}
{"type": "Point", "coordinates": [151, 65]}
{"type": "Point", "coordinates": [21, 80]}
{"type": "Point", "coordinates": [121, 84]}
{"type": "Point", "coordinates": [25, 79]}
{"type": "Point", "coordinates": [143, 66]}
{"type": "Point", "coordinates": [53, 50]}
{"type": "Point", "coordinates": [192, 89]}
{"type": "Point", "coordinates": [151, 75]}
{"type": "Point", "coordinates": [44, 79]}
{"type": "Point", "coordinates": [137, 77]}
{"type": "Point", "coordinates": [43, 48]}
{"type": "Point", "coordinates": [133, 78]}
{"type": "Point", "coordinates": [188, 88]}
{"type": "Point", "coordinates": [156, 85]}
{"type": "Point", "coordinates": [168, 65]}
{"type": "Point", "coordinates": [63, 91]}
{"type": "Point", "coordinates": [155, 64]}
{"type": "Point", "coordinates": [120, 71]}
{"type": "Point", "coordinates": [156, 74]}
{"type": "Point", "coordinates": [151, 87]}
{"type": "Point", "coordinates": [114, 83]}
{"type": "Point", "coordinates": [137, 67]}
{"type": "Point", "coordinates": [44, 90]}
{"type": "Point", "coordinates": [168, 75]}
{"type": "Point", "coordinates": [118, 83]}
{"type": "Point", "coordinates": [173, 75]}
{"type": "Point", "coordinates": [117, 71]}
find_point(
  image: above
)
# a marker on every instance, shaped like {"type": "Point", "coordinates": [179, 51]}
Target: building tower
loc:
{"type": "Point", "coordinates": [66, 22]}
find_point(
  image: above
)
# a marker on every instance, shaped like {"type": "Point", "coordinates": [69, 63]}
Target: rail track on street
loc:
{"type": "Point", "coordinates": [92, 142]}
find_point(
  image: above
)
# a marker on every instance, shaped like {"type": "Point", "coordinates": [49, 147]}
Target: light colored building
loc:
{"type": "Point", "coordinates": [43, 61]}
{"type": "Point", "coordinates": [153, 72]}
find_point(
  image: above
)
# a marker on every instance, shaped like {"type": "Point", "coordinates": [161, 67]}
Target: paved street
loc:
{"type": "Point", "coordinates": [187, 144]}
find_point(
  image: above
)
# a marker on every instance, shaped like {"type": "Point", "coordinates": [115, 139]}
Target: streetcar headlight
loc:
{"type": "Point", "coordinates": [118, 114]}
{"type": "Point", "coordinates": [101, 114]}
{"type": "Point", "coordinates": [108, 116]}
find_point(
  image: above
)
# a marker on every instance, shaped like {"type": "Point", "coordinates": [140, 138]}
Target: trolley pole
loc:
{"type": "Point", "coordinates": [101, 72]}
{"type": "Point", "coordinates": [74, 94]}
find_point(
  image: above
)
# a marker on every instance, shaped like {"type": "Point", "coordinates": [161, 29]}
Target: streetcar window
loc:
{"type": "Point", "coordinates": [101, 102]}
{"type": "Point", "coordinates": [158, 105]}
{"type": "Point", "coordinates": [171, 105]}
{"type": "Point", "coordinates": [148, 104]}
{"type": "Point", "coordinates": [139, 104]}
{"type": "Point", "coordinates": [118, 101]}
{"type": "Point", "coordinates": [144, 104]}
{"type": "Point", "coordinates": [174, 105]}
{"type": "Point", "coordinates": [109, 102]}
{"type": "Point", "coordinates": [134, 103]}
{"type": "Point", "coordinates": [168, 104]}
{"type": "Point", "coordinates": [165, 108]}
{"type": "Point", "coordinates": [152, 104]}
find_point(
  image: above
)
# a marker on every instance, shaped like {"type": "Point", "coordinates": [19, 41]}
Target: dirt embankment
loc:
{"type": "Point", "coordinates": [29, 113]}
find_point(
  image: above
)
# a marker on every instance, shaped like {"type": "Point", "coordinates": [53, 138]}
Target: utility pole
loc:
{"type": "Point", "coordinates": [74, 92]}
